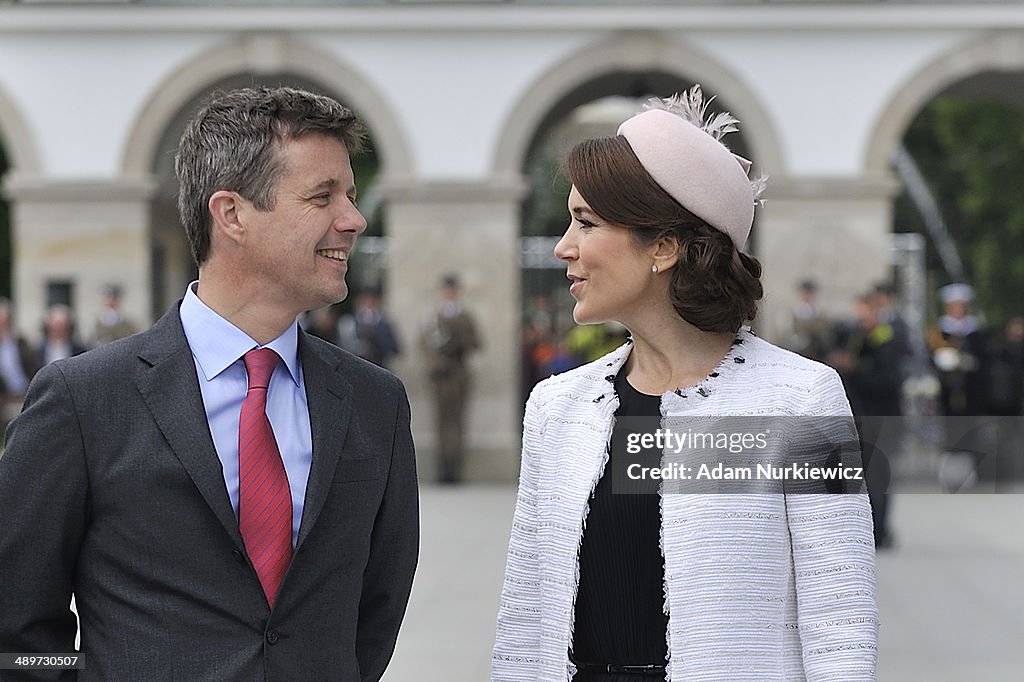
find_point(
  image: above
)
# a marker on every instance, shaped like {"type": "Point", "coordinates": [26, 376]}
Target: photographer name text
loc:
{"type": "Point", "coordinates": [759, 472]}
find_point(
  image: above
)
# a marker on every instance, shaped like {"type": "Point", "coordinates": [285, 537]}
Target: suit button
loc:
{"type": "Point", "coordinates": [239, 557]}
{"type": "Point", "coordinates": [272, 637]}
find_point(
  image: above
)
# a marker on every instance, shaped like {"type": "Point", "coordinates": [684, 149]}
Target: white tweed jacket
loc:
{"type": "Point", "coordinates": [758, 587]}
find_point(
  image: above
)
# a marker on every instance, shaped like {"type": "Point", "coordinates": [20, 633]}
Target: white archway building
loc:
{"type": "Point", "coordinates": [454, 93]}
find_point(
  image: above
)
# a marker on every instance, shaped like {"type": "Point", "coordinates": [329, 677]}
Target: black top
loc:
{"type": "Point", "coordinates": [620, 615]}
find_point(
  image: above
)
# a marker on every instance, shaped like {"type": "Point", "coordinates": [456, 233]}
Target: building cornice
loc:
{"type": "Point", "coordinates": [460, 17]}
{"type": "Point", "coordinates": [873, 187]}
{"type": "Point", "coordinates": [453, 191]}
{"type": "Point", "coordinates": [30, 188]}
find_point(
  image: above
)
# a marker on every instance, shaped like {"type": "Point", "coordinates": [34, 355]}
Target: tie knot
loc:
{"type": "Point", "coordinates": [259, 365]}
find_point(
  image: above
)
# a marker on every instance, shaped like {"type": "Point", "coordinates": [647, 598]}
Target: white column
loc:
{"type": "Point", "coordinates": [472, 230]}
{"type": "Point", "coordinates": [834, 231]}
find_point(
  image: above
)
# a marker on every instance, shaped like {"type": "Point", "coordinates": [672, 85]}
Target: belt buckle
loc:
{"type": "Point", "coordinates": [642, 669]}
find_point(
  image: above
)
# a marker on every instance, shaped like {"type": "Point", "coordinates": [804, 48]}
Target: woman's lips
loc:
{"type": "Point", "coordinates": [577, 283]}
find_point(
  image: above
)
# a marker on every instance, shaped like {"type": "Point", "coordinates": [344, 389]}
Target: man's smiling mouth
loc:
{"type": "Point", "coordinates": [333, 254]}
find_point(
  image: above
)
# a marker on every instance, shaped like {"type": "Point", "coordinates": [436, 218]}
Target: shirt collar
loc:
{"type": "Point", "coordinates": [216, 343]}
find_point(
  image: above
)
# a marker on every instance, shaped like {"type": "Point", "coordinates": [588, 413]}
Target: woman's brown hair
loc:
{"type": "Point", "coordinates": [715, 286]}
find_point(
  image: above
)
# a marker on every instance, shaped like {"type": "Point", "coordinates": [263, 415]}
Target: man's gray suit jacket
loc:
{"type": "Point", "coordinates": [110, 488]}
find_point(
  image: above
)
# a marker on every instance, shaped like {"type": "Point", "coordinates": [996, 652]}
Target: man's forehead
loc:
{"type": "Point", "coordinates": [318, 167]}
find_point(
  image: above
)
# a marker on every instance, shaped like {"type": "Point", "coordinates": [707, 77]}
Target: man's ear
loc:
{"type": "Point", "coordinates": [227, 210]}
{"type": "Point", "coordinates": [666, 253]}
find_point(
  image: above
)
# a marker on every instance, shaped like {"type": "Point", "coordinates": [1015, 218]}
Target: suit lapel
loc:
{"type": "Point", "coordinates": [329, 396]}
{"type": "Point", "coordinates": [170, 387]}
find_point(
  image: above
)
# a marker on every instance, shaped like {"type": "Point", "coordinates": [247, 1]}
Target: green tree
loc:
{"type": "Point", "coordinates": [972, 154]}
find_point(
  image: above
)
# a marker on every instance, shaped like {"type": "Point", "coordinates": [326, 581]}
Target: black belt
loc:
{"type": "Point", "coordinates": [613, 668]}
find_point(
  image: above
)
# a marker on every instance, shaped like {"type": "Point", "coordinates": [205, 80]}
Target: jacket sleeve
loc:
{"type": "Point", "coordinates": [387, 578]}
{"type": "Point", "coordinates": [517, 646]}
{"type": "Point", "coordinates": [834, 565]}
{"type": "Point", "coordinates": [43, 514]}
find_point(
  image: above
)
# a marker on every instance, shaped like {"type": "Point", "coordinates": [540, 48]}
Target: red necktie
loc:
{"type": "Point", "coordinates": [264, 498]}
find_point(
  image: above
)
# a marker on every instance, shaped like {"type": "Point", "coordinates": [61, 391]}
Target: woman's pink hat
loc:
{"type": "Point", "coordinates": [686, 157]}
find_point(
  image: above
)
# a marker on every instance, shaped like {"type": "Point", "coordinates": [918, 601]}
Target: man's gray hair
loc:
{"type": "Point", "coordinates": [233, 144]}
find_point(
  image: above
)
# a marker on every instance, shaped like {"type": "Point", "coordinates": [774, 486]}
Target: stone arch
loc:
{"type": "Point", "coordinates": [16, 135]}
{"type": "Point", "coordinates": [266, 54]}
{"type": "Point", "coordinates": [1000, 51]}
{"type": "Point", "coordinates": [639, 51]}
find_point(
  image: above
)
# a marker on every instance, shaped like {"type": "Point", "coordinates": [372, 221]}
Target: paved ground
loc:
{"type": "Point", "coordinates": [951, 592]}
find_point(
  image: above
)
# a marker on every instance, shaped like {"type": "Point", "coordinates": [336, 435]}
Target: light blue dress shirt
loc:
{"type": "Point", "coordinates": [218, 347]}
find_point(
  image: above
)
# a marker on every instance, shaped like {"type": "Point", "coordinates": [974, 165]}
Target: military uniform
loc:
{"type": "Point", "coordinates": [449, 338]}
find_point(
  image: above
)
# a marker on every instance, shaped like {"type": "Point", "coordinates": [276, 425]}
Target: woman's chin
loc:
{"type": "Point", "coordinates": [581, 315]}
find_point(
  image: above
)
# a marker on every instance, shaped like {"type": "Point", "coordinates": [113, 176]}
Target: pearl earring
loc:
{"type": "Point", "coordinates": [654, 269]}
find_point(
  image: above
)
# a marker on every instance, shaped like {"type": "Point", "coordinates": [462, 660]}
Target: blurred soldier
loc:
{"type": "Point", "coordinates": [959, 350]}
{"type": "Point", "coordinates": [960, 353]}
{"type": "Point", "coordinates": [449, 336]}
{"type": "Point", "coordinates": [367, 332]}
{"type": "Point", "coordinates": [322, 324]}
{"type": "Point", "coordinates": [883, 300]}
{"type": "Point", "coordinates": [1006, 400]}
{"type": "Point", "coordinates": [538, 345]}
{"type": "Point", "coordinates": [59, 340]}
{"type": "Point", "coordinates": [1006, 371]}
{"type": "Point", "coordinates": [111, 323]}
{"type": "Point", "coordinates": [869, 362]}
{"type": "Point", "coordinates": [807, 330]}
